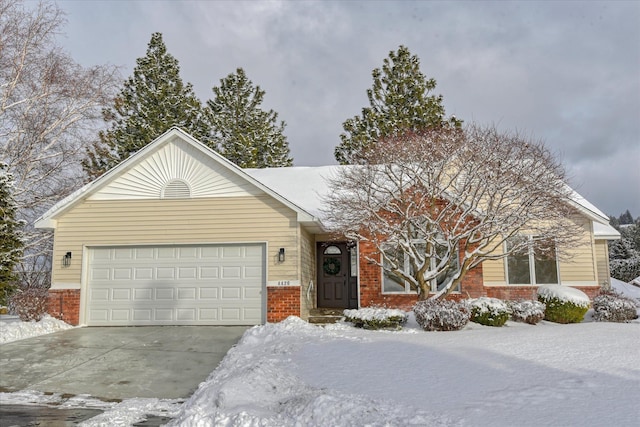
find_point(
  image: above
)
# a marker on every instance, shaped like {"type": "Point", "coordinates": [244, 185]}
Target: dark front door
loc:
{"type": "Point", "coordinates": [333, 275]}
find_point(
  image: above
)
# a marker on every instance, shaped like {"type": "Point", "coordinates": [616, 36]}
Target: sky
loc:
{"type": "Point", "coordinates": [565, 73]}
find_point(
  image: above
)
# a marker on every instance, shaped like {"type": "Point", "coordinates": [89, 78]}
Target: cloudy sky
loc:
{"type": "Point", "coordinates": [567, 73]}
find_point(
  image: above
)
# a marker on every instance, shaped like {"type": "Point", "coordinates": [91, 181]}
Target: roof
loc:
{"type": "Point", "coordinates": [302, 188]}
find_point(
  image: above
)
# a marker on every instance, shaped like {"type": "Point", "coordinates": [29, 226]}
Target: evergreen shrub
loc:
{"type": "Point", "coordinates": [441, 315]}
{"type": "Point", "coordinates": [563, 303]}
{"type": "Point", "coordinates": [489, 311]}
{"type": "Point", "coordinates": [376, 318]}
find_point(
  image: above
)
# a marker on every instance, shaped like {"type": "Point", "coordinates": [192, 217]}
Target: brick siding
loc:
{"type": "Point", "coordinates": [64, 304]}
{"type": "Point", "coordinates": [282, 302]}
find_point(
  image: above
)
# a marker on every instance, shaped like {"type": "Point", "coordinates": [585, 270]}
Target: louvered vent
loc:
{"type": "Point", "coordinates": [176, 189]}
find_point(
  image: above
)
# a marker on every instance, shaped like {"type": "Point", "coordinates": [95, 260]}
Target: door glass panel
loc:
{"type": "Point", "coordinates": [332, 250]}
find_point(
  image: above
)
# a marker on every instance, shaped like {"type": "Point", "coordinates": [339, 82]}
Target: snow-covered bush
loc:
{"type": "Point", "coordinates": [563, 303]}
{"type": "Point", "coordinates": [527, 311]}
{"type": "Point", "coordinates": [611, 306]}
{"type": "Point", "coordinates": [29, 304]}
{"type": "Point", "coordinates": [376, 318]}
{"type": "Point", "coordinates": [489, 311]}
{"type": "Point", "coordinates": [441, 315]}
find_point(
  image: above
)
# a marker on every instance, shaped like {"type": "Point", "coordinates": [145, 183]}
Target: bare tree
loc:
{"type": "Point", "coordinates": [438, 203]}
{"type": "Point", "coordinates": [49, 108]}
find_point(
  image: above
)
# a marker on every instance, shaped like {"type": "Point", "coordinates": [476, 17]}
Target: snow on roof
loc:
{"type": "Point", "coordinates": [605, 231]}
{"type": "Point", "coordinates": [305, 186]}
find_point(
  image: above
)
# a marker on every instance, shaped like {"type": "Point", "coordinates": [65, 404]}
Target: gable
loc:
{"type": "Point", "coordinates": [175, 165]}
{"type": "Point", "coordinates": [175, 170]}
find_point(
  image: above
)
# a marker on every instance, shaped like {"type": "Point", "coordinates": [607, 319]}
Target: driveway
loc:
{"type": "Point", "coordinates": [117, 362]}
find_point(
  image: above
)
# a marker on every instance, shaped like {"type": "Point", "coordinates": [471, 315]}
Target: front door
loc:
{"type": "Point", "coordinates": [333, 275]}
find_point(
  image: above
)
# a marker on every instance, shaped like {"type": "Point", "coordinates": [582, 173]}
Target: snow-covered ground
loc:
{"type": "Point", "coordinates": [296, 374]}
{"type": "Point", "coordinates": [12, 329]}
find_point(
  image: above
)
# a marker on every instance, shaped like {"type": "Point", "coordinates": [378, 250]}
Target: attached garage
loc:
{"type": "Point", "coordinates": [178, 235]}
{"type": "Point", "coordinates": [175, 285]}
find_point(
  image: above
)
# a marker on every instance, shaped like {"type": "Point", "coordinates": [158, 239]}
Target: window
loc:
{"type": "Point", "coordinates": [530, 267]}
{"type": "Point", "coordinates": [392, 283]}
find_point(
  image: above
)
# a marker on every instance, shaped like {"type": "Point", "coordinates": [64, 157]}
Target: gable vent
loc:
{"type": "Point", "coordinates": [176, 189]}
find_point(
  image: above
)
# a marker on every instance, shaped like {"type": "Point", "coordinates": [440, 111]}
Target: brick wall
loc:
{"type": "Point", "coordinates": [282, 302]}
{"type": "Point", "coordinates": [64, 304]}
{"type": "Point", "coordinates": [371, 284]}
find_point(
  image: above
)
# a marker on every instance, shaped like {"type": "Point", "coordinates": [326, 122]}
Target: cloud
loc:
{"type": "Point", "coordinates": [564, 72]}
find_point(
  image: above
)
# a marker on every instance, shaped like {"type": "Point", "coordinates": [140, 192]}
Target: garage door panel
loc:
{"type": "Point", "coordinates": [210, 284]}
{"type": "Point", "coordinates": [164, 294]}
{"type": "Point", "coordinates": [142, 294]}
{"type": "Point", "coordinates": [209, 272]}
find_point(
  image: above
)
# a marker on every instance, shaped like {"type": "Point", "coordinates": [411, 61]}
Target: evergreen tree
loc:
{"type": "Point", "coordinates": [242, 132]}
{"type": "Point", "coordinates": [11, 243]}
{"type": "Point", "coordinates": [626, 218]}
{"type": "Point", "coordinates": [399, 101]}
{"type": "Point", "coordinates": [152, 100]}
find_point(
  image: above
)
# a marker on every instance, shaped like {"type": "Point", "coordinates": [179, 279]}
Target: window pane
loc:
{"type": "Point", "coordinates": [441, 252]}
{"type": "Point", "coordinates": [546, 269]}
{"type": "Point", "coordinates": [518, 266]}
{"type": "Point", "coordinates": [332, 250]}
{"type": "Point", "coordinates": [390, 281]}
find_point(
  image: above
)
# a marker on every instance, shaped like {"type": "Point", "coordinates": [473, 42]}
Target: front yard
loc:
{"type": "Point", "coordinates": [296, 374]}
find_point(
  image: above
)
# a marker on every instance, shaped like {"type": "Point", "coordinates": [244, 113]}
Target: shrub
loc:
{"type": "Point", "coordinates": [611, 306]}
{"type": "Point", "coordinates": [30, 303]}
{"type": "Point", "coordinates": [527, 311]}
{"type": "Point", "coordinates": [376, 318]}
{"type": "Point", "coordinates": [441, 315]}
{"type": "Point", "coordinates": [563, 304]}
{"type": "Point", "coordinates": [489, 311]}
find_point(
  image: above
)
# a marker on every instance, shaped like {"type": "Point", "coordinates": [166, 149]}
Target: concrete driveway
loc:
{"type": "Point", "coordinates": [117, 362]}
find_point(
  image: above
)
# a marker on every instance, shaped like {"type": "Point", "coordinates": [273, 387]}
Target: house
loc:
{"type": "Point", "coordinates": [178, 235]}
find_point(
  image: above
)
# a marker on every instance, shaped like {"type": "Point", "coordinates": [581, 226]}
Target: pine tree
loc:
{"type": "Point", "coordinates": [153, 99]}
{"type": "Point", "coordinates": [399, 101]}
{"type": "Point", "coordinates": [242, 132]}
{"type": "Point", "coordinates": [626, 218]}
{"type": "Point", "coordinates": [11, 243]}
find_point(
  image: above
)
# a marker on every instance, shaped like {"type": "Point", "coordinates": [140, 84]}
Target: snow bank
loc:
{"type": "Point", "coordinates": [255, 385]}
{"type": "Point", "coordinates": [565, 293]}
{"type": "Point", "coordinates": [625, 289]}
{"type": "Point", "coordinates": [12, 329]}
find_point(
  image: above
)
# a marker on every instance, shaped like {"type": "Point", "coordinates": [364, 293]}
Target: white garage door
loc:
{"type": "Point", "coordinates": [175, 285]}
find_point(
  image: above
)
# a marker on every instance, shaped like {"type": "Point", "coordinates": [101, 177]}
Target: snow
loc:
{"type": "Point", "coordinates": [303, 186]}
{"type": "Point", "coordinates": [374, 313]}
{"type": "Point", "coordinates": [12, 329]}
{"type": "Point", "coordinates": [489, 305]}
{"type": "Point", "coordinates": [297, 374]}
{"type": "Point", "coordinates": [565, 293]}
{"type": "Point", "coordinates": [626, 289]}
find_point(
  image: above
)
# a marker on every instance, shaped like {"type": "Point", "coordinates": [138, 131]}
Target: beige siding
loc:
{"type": "Point", "coordinates": [578, 268]}
{"type": "Point", "coordinates": [215, 220]}
{"type": "Point", "coordinates": [602, 263]}
{"type": "Point", "coordinates": [308, 272]}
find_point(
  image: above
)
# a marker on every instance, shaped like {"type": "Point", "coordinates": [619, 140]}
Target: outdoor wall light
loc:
{"type": "Point", "coordinates": [66, 260]}
{"type": "Point", "coordinates": [281, 255]}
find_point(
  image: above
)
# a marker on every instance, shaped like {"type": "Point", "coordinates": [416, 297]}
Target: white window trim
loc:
{"type": "Point", "coordinates": [532, 266]}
